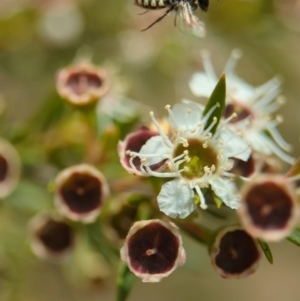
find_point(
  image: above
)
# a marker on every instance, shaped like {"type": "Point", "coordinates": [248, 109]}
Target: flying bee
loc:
{"type": "Point", "coordinates": [185, 17]}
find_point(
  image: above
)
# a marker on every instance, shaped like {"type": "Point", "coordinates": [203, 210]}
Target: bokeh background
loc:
{"type": "Point", "coordinates": [39, 37]}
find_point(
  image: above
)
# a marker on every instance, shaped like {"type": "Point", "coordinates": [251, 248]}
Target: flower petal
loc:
{"type": "Point", "coordinates": [202, 85]}
{"type": "Point", "coordinates": [185, 117]}
{"type": "Point", "coordinates": [226, 191]}
{"type": "Point", "coordinates": [157, 147]}
{"type": "Point", "coordinates": [176, 199]}
{"type": "Point", "coordinates": [234, 145]}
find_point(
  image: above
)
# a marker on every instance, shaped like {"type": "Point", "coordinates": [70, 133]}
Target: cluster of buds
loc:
{"type": "Point", "coordinates": [228, 151]}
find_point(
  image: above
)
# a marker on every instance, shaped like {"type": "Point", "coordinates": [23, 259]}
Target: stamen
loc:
{"type": "Point", "coordinates": [278, 152]}
{"type": "Point", "coordinates": [278, 138]}
{"type": "Point", "coordinates": [162, 174]}
{"type": "Point", "coordinates": [222, 125]}
{"type": "Point", "coordinates": [232, 61]}
{"type": "Point", "coordinates": [209, 113]}
{"type": "Point", "coordinates": [215, 120]}
{"type": "Point", "coordinates": [201, 196]}
{"type": "Point", "coordinates": [267, 98]}
{"type": "Point", "coordinates": [135, 154]}
{"type": "Point", "coordinates": [264, 88]}
{"type": "Point", "coordinates": [207, 64]}
{"type": "Point", "coordinates": [166, 140]}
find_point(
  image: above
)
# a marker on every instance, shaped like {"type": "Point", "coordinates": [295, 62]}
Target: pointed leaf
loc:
{"type": "Point", "coordinates": [218, 96]}
{"type": "Point", "coordinates": [124, 282]}
{"type": "Point", "coordinates": [294, 237]}
{"type": "Point", "coordinates": [266, 249]}
{"type": "Point", "coordinates": [294, 170]}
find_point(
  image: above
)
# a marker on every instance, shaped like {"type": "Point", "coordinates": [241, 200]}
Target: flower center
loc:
{"type": "Point", "coordinates": [81, 82]}
{"type": "Point", "coordinates": [202, 158]}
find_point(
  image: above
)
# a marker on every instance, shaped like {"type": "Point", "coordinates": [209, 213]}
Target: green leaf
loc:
{"type": "Point", "coordinates": [267, 251]}
{"type": "Point", "coordinates": [99, 242]}
{"type": "Point", "coordinates": [218, 96]}
{"type": "Point", "coordinates": [294, 170]}
{"type": "Point", "coordinates": [30, 197]}
{"type": "Point", "coordinates": [218, 201]}
{"type": "Point", "coordinates": [294, 237]}
{"type": "Point", "coordinates": [124, 282]}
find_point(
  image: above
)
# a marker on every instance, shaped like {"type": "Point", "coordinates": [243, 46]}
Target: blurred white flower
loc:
{"type": "Point", "coordinates": [253, 105]}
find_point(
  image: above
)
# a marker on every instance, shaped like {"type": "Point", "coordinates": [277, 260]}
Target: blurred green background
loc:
{"type": "Point", "coordinates": [39, 37]}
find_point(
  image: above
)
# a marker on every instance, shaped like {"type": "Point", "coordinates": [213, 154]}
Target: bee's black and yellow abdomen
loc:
{"type": "Point", "coordinates": [154, 4]}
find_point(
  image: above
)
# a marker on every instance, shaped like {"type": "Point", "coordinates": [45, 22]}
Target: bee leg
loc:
{"type": "Point", "coordinates": [143, 12]}
{"type": "Point", "coordinates": [175, 19]}
{"type": "Point", "coordinates": [160, 18]}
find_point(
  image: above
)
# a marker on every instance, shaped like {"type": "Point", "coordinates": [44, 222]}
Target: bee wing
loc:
{"type": "Point", "coordinates": [188, 21]}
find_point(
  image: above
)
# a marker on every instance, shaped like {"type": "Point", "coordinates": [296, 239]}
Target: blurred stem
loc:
{"type": "Point", "coordinates": [198, 232]}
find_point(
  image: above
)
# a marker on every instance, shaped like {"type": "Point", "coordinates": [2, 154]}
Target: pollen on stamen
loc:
{"type": "Point", "coordinates": [167, 107]}
{"type": "Point", "coordinates": [279, 118]}
{"type": "Point", "coordinates": [189, 110]}
{"type": "Point", "coordinates": [281, 100]}
{"type": "Point", "coordinates": [206, 169]}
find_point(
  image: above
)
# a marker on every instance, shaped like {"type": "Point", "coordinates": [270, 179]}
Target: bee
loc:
{"type": "Point", "coordinates": [184, 12]}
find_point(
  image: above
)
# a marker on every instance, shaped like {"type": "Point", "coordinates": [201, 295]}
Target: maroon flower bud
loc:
{"type": "Point", "coordinates": [81, 192]}
{"type": "Point", "coordinates": [82, 84]}
{"type": "Point", "coordinates": [234, 253]}
{"type": "Point", "coordinates": [10, 168]}
{"type": "Point", "coordinates": [269, 207]}
{"type": "Point", "coordinates": [242, 168]}
{"type": "Point", "coordinates": [133, 144]}
{"type": "Point", "coordinates": [153, 249]}
{"type": "Point", "coordinates": [50, 238]}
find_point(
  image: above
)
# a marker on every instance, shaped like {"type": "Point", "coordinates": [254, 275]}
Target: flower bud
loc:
{"type": "Point", "coordinates": [50, 238]}
{"type": "Point", "coordinates": [81, 192]}
{"type": "Point", "coordinates": [153, 249]}
{"type": "Point", "coordinates": [82, 84]}
{"type": "Point", "coordinates": [10, 168]}
{"type": "Point", "coordinates": [268, 207]}
{"type": "Point", "coordinates": [234, 253]}
{"type": "Point", "coordinates": [133, 144]}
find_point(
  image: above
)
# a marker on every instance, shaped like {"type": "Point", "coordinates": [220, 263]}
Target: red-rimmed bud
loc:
{"type": "Point", "coordinates": [10, 168]}
{"type": "Point", "coordinates": [50, 238]}
{"type": "Point", "coordinates": [82, 84]}
{"type": "Point", "coordinates": [133, 143]}
{"type": "Point", "coordinates": [234, 253]}
{"type": "Point", "coordinates": [153, 249]}
{"type": "Point", "coordinates": [80, 193]}
{"type": "Point", "coordinates": [269, 207]}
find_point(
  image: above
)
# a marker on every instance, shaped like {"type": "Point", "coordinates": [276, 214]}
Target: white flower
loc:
{"type": "Point", "coordinates": [253, 106]}
{"type": "Point", "coordinates": [195, 158]}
